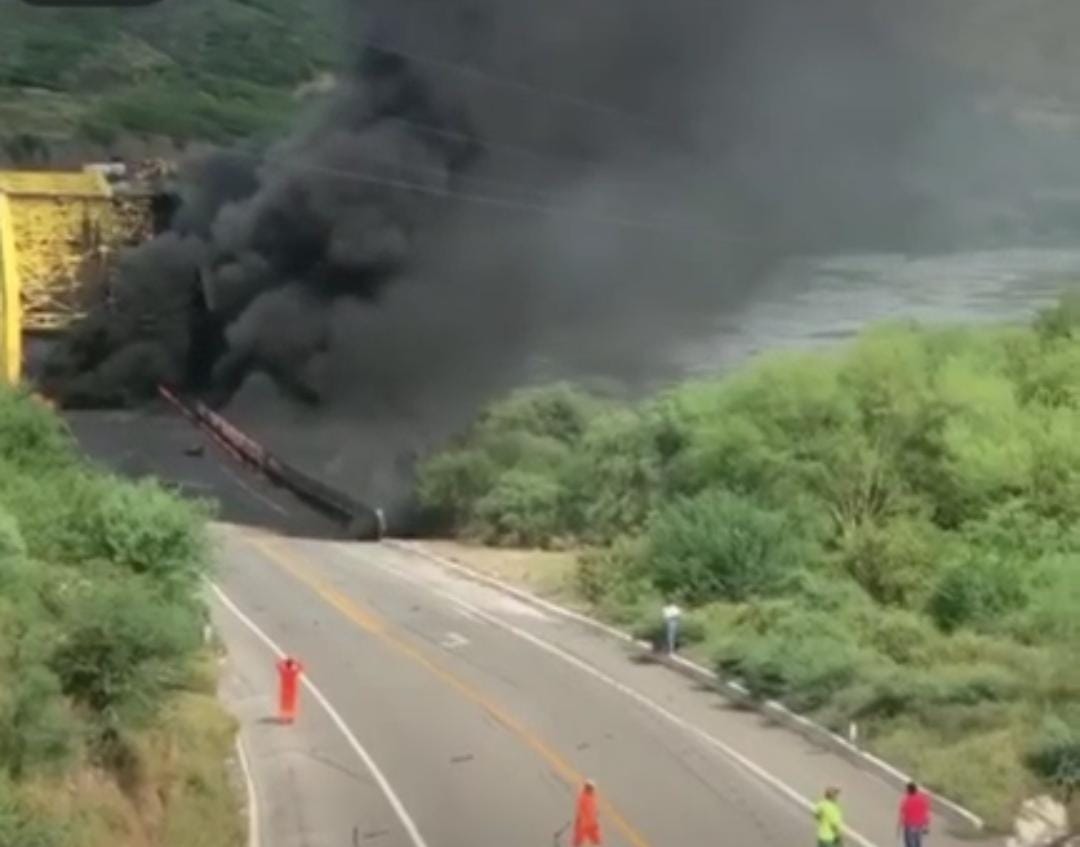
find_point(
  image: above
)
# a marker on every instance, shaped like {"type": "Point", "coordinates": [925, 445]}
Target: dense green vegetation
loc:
{"type": "Point", "coordinates": [885, 532]}
{"type": "Point", "coordinates": [207, 70]}
{"type": "Point", "coordinates": [106, 691]}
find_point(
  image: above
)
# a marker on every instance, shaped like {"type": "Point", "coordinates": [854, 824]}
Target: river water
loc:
{"type": "Point", "coordinates": [814, 301]}
{"type": "Point", "coordinates": [806, 303]}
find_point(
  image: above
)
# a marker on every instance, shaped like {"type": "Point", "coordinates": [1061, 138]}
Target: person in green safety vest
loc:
{"type": "Point", "coordinates": [830, 821]}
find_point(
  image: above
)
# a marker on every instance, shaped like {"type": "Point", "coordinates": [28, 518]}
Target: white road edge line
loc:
{"type": "Point", "coordinates": [772, 781]}
{"type": "Point", "coordinates": [391, 796]}
{"type": "Point", "coordinates": [252, 797]}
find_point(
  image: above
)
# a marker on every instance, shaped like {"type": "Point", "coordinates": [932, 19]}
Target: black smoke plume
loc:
{"type": "Point", "coordinates": [501, 189]}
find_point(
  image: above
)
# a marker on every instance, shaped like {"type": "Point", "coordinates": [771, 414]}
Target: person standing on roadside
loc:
{"type": "Point", "coordinates": [914, 821]}
{"type": "Point", "coordinates": [586, 818]}
{"type": "Point", "coordinates": [672, 614]}
{"type": "Point", "coordinates": [830, 821]}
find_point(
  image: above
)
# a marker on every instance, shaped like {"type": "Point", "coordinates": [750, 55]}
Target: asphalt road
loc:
{"type": "Point", "coordinates": [441, 713]}
{"type": "Point", "coordinates": [161, 444]}
{"type": "Point", "coordinates": [483, 736]}
{"type": "Point", "coordinates": [483, 716]}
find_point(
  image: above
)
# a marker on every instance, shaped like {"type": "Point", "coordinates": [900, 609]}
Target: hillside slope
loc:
{"type": "Point", "coordinates": [198, 69]}
{"type": "Point", "coordinates": [215, 70]}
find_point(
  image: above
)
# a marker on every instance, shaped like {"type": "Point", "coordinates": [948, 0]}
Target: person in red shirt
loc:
{"type": "Point", "coordinates": [914, 820]}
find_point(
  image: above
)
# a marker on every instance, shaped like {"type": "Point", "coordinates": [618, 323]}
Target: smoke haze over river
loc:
{"type": "Point", "coordinates": [499, 190]}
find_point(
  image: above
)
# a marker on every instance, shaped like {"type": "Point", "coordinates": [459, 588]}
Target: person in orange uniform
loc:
{"type": "Point", "coordinates": [289, 671]}
{"type": "Point", "coordinates": [587, 820]}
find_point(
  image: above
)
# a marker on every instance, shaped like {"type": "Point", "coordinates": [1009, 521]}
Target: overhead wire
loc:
{"type": "Point", "coordinates": [510, 83]}
{"type": "Point", "coordinates": [513, 84]}
{"type": "Point", "coordinates": [486, 199]}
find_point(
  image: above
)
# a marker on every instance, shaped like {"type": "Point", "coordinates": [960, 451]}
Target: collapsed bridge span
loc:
{"type": "Point", "coordinates": [61, 233]}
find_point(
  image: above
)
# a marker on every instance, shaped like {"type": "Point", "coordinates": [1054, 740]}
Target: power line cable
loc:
{"type": "Point", "coordinates": [486, 199]}
{"type": "Point", "coordinates": [517, 204]}
{"type": "Point", "coordinates": [513, 84]}
{"type": "Point", "coordinates": [528, 189]}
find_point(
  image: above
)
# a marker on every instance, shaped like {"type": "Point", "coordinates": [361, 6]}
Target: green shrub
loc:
{"type": "Point", "coordinates": [36, 728]}
{"type": "Point", "coordinates": [629, 604]}
{"type": "Point", "coordinates": [905, 637]}
{"type": "Point", "coordinates": [805, 674]}
{"type": "Point", "coordinates": [970, 684]}
{"type": "Point", "coordinates": [507, 481]}
{"type": "Point", "coordinates": [12, 544]}
{"type": "Point", "coordinates": [1060, 321]}
{"type": "Point", "coordinates": [979, 591]}
{"type": "Point", "coordinates": [143, 528]}
{"type": "Point", "coordinates": [66, 514]}
{"type": "Point", "coordinates": [557, 411]}
{"type": "Point", "coordinates": [270, 54]}
{"type": "Point", "coordinates": [1012, 529]}
{"type": "Point", "coordinates": [31, 437]}
{"type": "Point", "coordinates": [21, 828]}
{"type": "Point", "coordinates": [47, 506]}
{"type": "Point", "coordinates": [451, 483]}
{"type": "Point", "coordinates": [528, 451]}
{"type": "Point", "coordinates": [803, 656]}
{"type": "Point", "coordinates": [893, 561]}
{"type": "Point", "coordinates": [124, 646]}
{"type": "Point", "coordinates": [606, 571]}
{"type": "Point", "coordinates": [1050, 375]}
{"type": "Point", "coordinates": [1054, 756]}
{"type": "Point", "coordinates": [523, 508]}
{"type": "Point", "coordinates": [824, 591]}
{"type": "Point", "coordinates": [718, 546]}
{"type": "Point", "coordinates": [1051, 612]}
{"type": "Point", "coordinates": [615, 476]}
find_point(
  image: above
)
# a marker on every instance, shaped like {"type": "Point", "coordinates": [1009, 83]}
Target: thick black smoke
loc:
{"type": "Point", "coordinates": [503, 188]}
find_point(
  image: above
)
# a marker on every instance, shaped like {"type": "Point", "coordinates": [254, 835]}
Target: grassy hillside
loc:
{"type": "Point", "coordinates": [184, 69]}
{"type": "Point", "coordinates": [219, 69]}
{"type": "Point", "coordinates": [110, 732]}
{"type": "Point", "coordinates": [884, 533]}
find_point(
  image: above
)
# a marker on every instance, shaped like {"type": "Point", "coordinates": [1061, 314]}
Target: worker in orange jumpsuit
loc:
{"type": "Point", "coordinates": [586, 819]}
{"type": "Point", "coordinates": [289, 671]}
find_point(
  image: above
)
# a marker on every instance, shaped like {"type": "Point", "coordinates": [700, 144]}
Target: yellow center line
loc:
{"type": "Point", "coordinates": [376, 626]}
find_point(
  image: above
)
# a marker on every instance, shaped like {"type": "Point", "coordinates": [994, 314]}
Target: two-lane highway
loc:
{"type": "Point", "coordinates": [445, 713]}
{"type": "Point", "coordinates": [481, 737]}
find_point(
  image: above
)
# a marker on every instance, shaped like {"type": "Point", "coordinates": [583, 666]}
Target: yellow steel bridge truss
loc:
{"type": "Point", "coordinates": [59, 233]}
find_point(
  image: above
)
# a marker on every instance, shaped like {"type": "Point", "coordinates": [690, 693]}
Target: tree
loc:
{"type": "Point", "coordinates": [614, 480]}
{"type": "Point", "coordinates": [522, 509]}
{"type": "Point", "coordinates": [719, 546]}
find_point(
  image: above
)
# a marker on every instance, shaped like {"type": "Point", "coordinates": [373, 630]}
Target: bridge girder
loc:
{"type": "Point", "coordinates": [59, 234]}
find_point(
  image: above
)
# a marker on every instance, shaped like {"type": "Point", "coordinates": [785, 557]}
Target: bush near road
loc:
{"type": "Point", "coordinates": [885, 532]}
{"type": "Point", "coordinates": [110, 734]}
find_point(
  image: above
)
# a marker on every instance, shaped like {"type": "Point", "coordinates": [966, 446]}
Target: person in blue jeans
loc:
{"type": "Point", "coordinates": [672, 613]}
{"type": "Point", "coordinates": [914, 820]}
